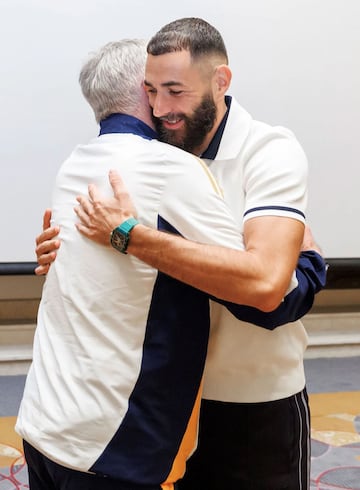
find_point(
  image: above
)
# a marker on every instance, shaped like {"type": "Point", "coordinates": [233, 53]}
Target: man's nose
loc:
{"type": "Point", "coordinates": [160, 106]}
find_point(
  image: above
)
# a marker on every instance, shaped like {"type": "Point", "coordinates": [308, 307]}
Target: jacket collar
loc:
{"type": "Point", "coordinates": [123, 123]}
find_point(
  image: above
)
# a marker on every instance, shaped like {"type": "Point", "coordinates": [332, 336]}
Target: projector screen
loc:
{"type": "Point", "coordinates": [295, 63]}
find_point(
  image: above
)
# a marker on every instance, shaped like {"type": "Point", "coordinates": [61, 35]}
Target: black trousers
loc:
{"type": "Point", "coordinates": [45, 474]}
{"type": "Point", "coordinates": [252, 446]}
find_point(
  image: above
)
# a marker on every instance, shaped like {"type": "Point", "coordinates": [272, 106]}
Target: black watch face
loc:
{"type": "Point", "coordinates": [118, 240]}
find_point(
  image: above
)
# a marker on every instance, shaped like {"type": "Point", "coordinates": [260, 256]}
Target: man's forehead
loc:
{"type": "Point", "coordinates": [173, 68]}
{"type": "Point", "coordinates": [173, 60]}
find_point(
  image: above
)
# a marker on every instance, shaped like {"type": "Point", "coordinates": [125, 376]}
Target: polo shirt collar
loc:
{"type": "Point", "coordinates": [211, 151]}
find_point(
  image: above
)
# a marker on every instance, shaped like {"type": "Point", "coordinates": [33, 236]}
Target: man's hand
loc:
{"type": "Point", "coordinates": [46, 245]}
{"type": "Point", "coordinates": [309, 242]}
{"type": "Point", "coordinates": [99, 215]}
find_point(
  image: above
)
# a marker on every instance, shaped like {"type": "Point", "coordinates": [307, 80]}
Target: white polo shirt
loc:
{"type": "Point", "coordinates": [262, 170]}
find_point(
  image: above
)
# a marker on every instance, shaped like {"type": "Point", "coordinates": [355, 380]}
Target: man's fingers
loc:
{"type": "Point", "coordinates": [82, 214]}
{"type": "Point", "coordinates": [309, 242]}
{"type": "Point", "coordinates": [84, 203]}
{"type": "Point", "coordinates": [121, 194]}
{"type": "Point", "coordinates": [46, 258]}
{"type": "Point", "coordinates": [46, 245]}
{"type": "Point", "coordinates": [47, 219]}
{"type": "Point", "coordinates": [45, 250]}
{"type": "Point", "coordinates": [90, 233]}
{"type": "Point", "coordinates": [84, 230]}
{"type": "Point", "coordinates": [48, 234]}
{"type": "Point", "coordinates": [42, 270]}
{"type": "Point", "coordinates": [116, 183]}
{"type": "Point", "coordinates": [94, 194]}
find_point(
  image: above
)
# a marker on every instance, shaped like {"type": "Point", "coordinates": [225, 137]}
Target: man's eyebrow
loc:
{"type": "Point", "coordinates": [171, 83]}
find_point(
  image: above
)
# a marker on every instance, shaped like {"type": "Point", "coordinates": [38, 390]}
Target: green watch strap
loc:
{"type": "Point", "coordinates": [128, 225]}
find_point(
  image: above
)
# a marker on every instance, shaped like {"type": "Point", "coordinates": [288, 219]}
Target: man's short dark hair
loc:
{"type": "Point", "coordinates": [191, 34]}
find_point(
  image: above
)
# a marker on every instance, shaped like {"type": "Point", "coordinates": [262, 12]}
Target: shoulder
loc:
{"type": "Point", "coordinates": [172, 154]}
{"type": "Point", "coordinates": [244, 137]}
{"type": "Point", "coordinates": [265, 144]}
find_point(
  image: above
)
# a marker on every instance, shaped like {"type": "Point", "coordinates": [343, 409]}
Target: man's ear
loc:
{"type": "Point", "coordinates": [223, 77]}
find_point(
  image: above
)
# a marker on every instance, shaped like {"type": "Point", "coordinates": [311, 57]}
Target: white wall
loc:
{"type": "Point", "coordinates": [295, 63]}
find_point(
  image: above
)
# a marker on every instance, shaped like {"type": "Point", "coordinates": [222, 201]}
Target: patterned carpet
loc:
{"type": "Point", "coordinates": [335, 426]}
{"type": "Point", "coordinates": [13, 474]}
{"type": "Point", "coordinates": [335, 440]}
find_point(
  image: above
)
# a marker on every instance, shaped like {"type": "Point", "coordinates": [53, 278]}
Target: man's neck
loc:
{"type": "Point", "coordinates": [211, 145]}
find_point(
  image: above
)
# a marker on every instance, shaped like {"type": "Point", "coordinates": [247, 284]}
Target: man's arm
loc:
{"type": "Point", "coordinates": [311, 278]}
{"type": "Point", "coordinates": [310, 274]}
{"type": "Point", "coordinates": [258, 277]}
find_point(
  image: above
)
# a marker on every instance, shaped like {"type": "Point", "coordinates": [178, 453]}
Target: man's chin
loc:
{"type": "Point", "coordinates": [171, 137]}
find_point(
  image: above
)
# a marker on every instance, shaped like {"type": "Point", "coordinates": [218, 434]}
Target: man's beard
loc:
{"type": "Point", "coordinates": [195, 129]}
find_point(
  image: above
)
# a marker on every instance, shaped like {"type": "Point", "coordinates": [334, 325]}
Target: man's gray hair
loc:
{"type": "Point", "coordinates": [190, 34]}
{"type": "Point", "coordinates": [112, 77]}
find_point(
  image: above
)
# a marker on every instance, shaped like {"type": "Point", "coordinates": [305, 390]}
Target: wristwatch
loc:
{"type": "Point", "coordinates": [120, 236]}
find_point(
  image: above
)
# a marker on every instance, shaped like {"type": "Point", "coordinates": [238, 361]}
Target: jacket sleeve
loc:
{"type": "Point", "coordinates": [311, 276]}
